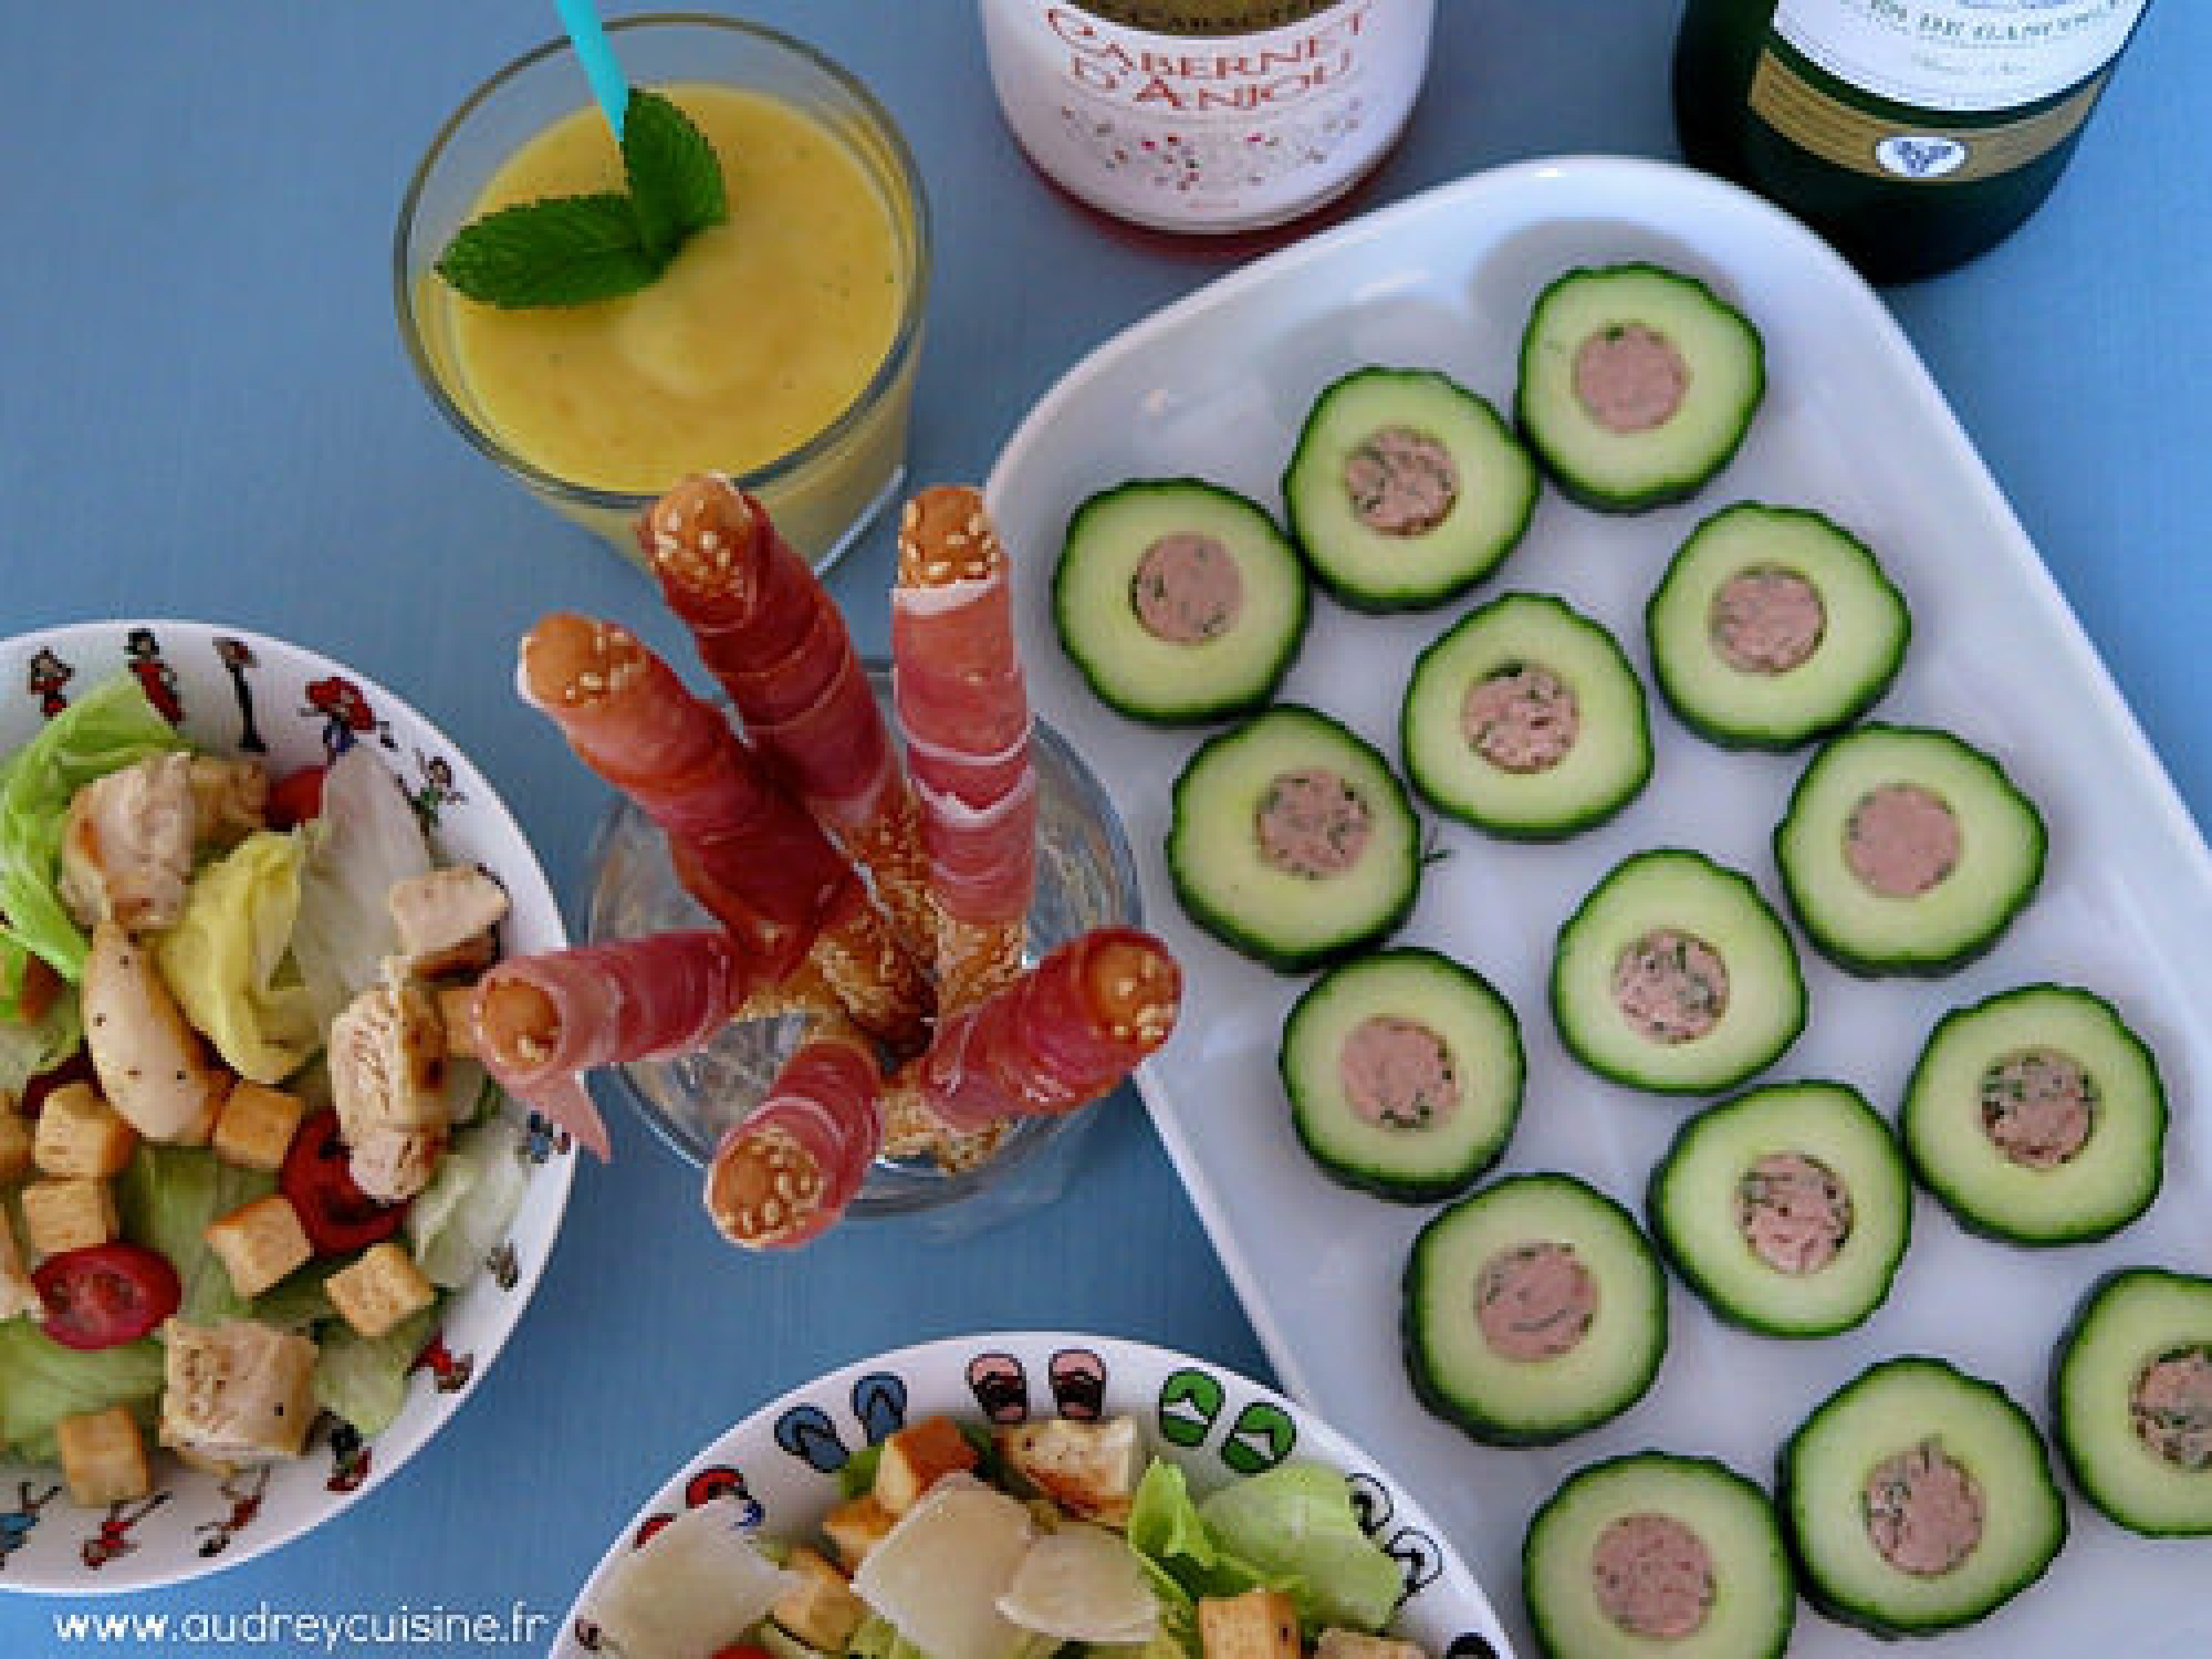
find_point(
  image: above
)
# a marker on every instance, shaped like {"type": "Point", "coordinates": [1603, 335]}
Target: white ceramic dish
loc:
{"type": "Point", "coordinates": [236, 692]}
{"type": "Point", "coordinates": [1214, 1424]}
{"type": "Point", "coordinates": [1217, 386]}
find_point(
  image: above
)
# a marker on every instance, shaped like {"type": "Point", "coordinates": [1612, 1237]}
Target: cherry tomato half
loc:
{"type": "Point", "coordinates": [106, 1294]}
{"type": "Point", "coordinates": [296, 798]}
{"type": "Point", "coordinates": [335, 1215]}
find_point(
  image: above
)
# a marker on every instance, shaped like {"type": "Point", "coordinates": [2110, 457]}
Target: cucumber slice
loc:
{"type": "Point", "coordinates": [1406, 488]}
{"type": "Point", "coordinates": [1292, 841]}
{"type": "Point", "coordinates": [1404, 1072]}
{"type": "Point", "coordinates": [2038, 1116]}
{"type": "Point", "coordinates": [1774, 625]}
{"type": "Point", "coordinates": [1526, 720]}
{"type": "Point", "coordinates": [1178, 599]}
{"type": "Point", "coordinates": [1904, 1442]}
{"type": "Point", "coordinates": [2132, 1398]}
{"type": "Point", "coordinates": [1655, 1555]}
{"type": "Point", "coordinates": [1533, 1309]}
{"type": "Point", "coordinates": [1638, 384]}
{"type": "Point", "coordinates": [1906, 851]}
{"type": "Point", "coordinates": [1786, 1209]}
{"type": "Point", "coordinates": [1674, 976]}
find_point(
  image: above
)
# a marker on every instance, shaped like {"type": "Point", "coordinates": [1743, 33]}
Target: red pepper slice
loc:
{"type": "Point", "coordinates": [106, 1294]}
{"type": "Point", "coordinates": [296, 798]}
{"type": "Point", "coordinates": [336, 1216]}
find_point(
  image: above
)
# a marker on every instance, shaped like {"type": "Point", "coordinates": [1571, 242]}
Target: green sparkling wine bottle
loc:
{"type": "Point", "coordinates": [1912, 134]}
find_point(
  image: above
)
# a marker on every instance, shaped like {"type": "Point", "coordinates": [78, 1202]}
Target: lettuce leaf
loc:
{"type": "Point", "coordinates": [462, 1215]}
{"type": "Point", "coordinates": [227, 958]}
{"type": "Point", "coordinates": [166, 1196]}
{"type": "Point", "coordinates": [367, 840]}
{"type": "Point", "coordinates": [363, 1379]}
{"type": "Point", "coordinates": [1170, 1533]}
{"type": "Point", "coordinates": [110, 726]}
{"type": "Point", "coordinates": [1295, 1524]}
{"type": "Point", "coordinates": [26, 1050]}
{"type": "Point", "coordinates": [41, 1382]}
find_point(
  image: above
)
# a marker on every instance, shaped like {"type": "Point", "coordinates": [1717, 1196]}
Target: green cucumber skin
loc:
{"type": "Point", "coordinates": [1477, 1425]}
{"type": "Point", "coordinates": [1227, 930]}
{"type": "Point", "coordinates": [1546, 1641]}
{"type": "Point", "coordinates": [1945, 1192]}
{"type": "Point", "coordinates": [1667, 492]}
{"type": "Point", "coordinates": [1659, 1213]}
{"type": "Point", "coordinates": [1560, 829]}
{"type": "Point", "coordinates": [1410, 1189]}
{"type": "Point", "coordinates": [1622, 1075]}
{"type": "Point", "coordinates": [1906, 965]}
{"type": "Point", "coordinates": [1375, 601]}
{"type": "Point", "coordinates": [1742, 738]}
{"type": "Point", "coordinates": [1190, 714]}
{"type": "Point", "coordinates": [1871, 1620]}
{"type": "Point", "coordinates": [2077, 1461]}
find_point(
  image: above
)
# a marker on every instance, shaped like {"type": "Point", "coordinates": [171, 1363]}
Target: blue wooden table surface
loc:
{"type": "Point", "coordinates": [204, 411]}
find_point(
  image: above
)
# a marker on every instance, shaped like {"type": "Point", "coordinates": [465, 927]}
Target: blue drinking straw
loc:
{"type": "Point", "coordinates": [609, 85]}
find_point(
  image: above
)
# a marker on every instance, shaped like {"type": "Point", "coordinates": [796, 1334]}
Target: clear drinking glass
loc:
{"type": "Point", "coordinates": [1086, 878]}
{"type": "Point", "coordinates": [822, 493]}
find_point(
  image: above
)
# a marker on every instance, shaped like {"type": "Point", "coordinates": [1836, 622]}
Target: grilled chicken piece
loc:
{"type": "Point", "coordinates": [127, 845]}
{"type": "Point", "coordinates": [237, 1392]}
{"type": "Point", "coordinates": [152, 1065]}
{"type": "Point", "coordinates": [387, 1060]}
{"type": "Point", "coordinates": [230, 799]}
{"type": "Point", "coordinates": [445, 921]}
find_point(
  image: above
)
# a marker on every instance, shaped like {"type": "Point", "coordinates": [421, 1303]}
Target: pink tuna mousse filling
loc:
{"type": "Point", "coordinates": [1901, 840]}
{"type": "Point", "coordinates": [1795, 1214]}
{"type": "Point", "coordinates": [1923, 1511]}
{"type": "Point", "coordinates": [1534, 1302]}
{"type": "Point", "coordinates": [1653, 1576]}
{"type": "Point", "coordinates": [1313, 824]}
{"type": "Point", "coordinates": [1523, 719]}
{"type": "Point", "coordinates": [1671, 987]}
{"type": "Point", "coordinates": [1766, 620]}
{"type": "Point", "coordinates": [1402, 482]}
{"type": "Point", "coordinates": [2171, 1409]}
{"type": "Point", "coordinates": [1188, 589]}
{"type": "Point", "coordinates": [1629, 380]}
{"type": "Point", "coordinates": [2038, 1107]}
{"type": "Point", "coordinates": [1397, 1073]}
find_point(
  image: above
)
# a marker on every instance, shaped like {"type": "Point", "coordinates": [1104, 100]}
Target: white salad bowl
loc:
{"type": "Point", "coordinates": [237, 693]}
{"type": "Point", "coordinates": [782, 1462]}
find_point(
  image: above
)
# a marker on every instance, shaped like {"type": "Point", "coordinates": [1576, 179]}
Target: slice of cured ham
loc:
{"type": "Point", "coordinates": [788, 1171]}
{"type": "Point", "coordinates": [543, 1020]}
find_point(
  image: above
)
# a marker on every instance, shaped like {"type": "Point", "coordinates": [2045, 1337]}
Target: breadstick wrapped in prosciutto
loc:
{"type": "Point", "coordinates": [748, 853]}
{"type": "Point", "coordinates": [963, 710]}
{"type": "Point", "coordinates": [777, 644]}
{"type": "Point", "coordinates": [787, 1173]}
{"type": "Point", "coordinates": [541, 1021]}
{"type": "Point", "coordinates": [1058, 1037]}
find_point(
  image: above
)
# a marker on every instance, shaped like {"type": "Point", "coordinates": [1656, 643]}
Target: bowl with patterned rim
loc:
{"type": "Point", "coordinates": [236, 692]}
{"type": "Point", "coordinates": [782, 1462]}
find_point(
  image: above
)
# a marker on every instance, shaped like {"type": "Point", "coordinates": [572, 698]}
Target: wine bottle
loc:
{"type": "Point", "coordinates": [1913, 134]}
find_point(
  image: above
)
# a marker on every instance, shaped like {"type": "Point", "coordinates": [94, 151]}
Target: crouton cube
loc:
{"type": "Point", "coordinates": [445, 921]}
{"type": "Point", "coordinates": [1338, 1643]}
{"type": "Point", "coordinates": [457, 1012]}
{"type": "Point", "coordinates": [378, 1291]}
{"type": "Point", "coordinates": [1090, 1469]}
{"type": "Point", "coordinates": [916, 1458]}
{"type": "Point", "coordinates": [103, 1457]}
{"type": "Point", "coordinates": [72, 1213]}
{"type": "Point", "coordinates": [821, 1609]}
{"type": "Point", "coordinates": [79, 1134]}
{"type": "Point", "coordinates": [855, 1526]}
{"type": "Point", "coordinates": [1261, 1623]}
{"type": "Point", "coordinates": [17, 1294]}
{"type": "Point", "coordinates": [258, 1244]}
{"type": "Point", "coordinates": [17, 1134]}
{"type": "Point", "coordinates": [254, 1129]}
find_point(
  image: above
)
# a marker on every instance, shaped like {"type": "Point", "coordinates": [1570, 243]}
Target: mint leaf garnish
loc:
{"type": "Point", "coordinates": [675, 182]}
{"type": "Point", "coordinates": [572, 250]}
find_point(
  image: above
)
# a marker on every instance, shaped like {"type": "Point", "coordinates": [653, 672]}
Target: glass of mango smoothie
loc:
{"type": "Point", "coordinates": [778, 347]}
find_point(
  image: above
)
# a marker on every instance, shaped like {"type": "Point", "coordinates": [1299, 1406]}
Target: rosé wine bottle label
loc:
{"type": "Point", "coordinates": [1209, 128]}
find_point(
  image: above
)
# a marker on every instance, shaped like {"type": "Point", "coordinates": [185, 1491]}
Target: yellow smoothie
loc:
{"type": "Point", "coordinates": [760, 333]}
